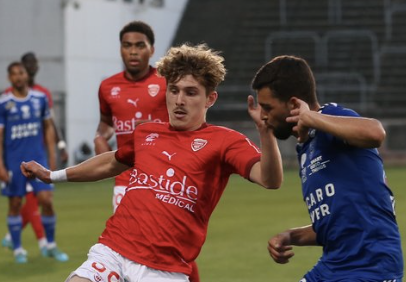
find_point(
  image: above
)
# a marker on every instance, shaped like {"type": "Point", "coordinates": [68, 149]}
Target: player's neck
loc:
{"type": "Point", "coordinates": [136, 76]}
{"type": "Point", "coordinates": [31, 82]}
{"type": "Point", "coordinates": [20, 92]}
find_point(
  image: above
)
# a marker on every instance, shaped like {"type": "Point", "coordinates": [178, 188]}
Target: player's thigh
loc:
{"type": "Point", "coordinates": [102, 264]}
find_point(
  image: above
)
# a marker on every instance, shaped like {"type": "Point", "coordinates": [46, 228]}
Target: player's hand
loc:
{"type": "Point", "coordinates": [255, 112]}
{"type": "Point", "coordinates": [298, 116]}
{"type": "Point", "coordinates": [63, 154]}
{"type": "Point", "coordinates": [279, 248]}
{"type": "Point", "coordinates": [33, 169]}
{"type": "Point", "coordinates": [4, 176]}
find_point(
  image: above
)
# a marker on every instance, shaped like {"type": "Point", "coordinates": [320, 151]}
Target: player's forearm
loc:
{"type": "Point", "coordinates": [96, 168]}
{"type": "Point", "coordinates": [101, 145]}
{"type": "Point", "coordinates": [302, 236]}
{"type": "Point", "coordinates": [357, 131]}
{"type": "Point", "coordinates": [271, 161]}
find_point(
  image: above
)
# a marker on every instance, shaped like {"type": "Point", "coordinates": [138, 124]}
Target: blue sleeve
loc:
{"type": "Point", "coordinates": [336, 110]}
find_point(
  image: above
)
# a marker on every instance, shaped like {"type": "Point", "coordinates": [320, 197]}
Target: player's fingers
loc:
{"type": "Point", "coordinates": [281, 255]}
{"type": "Point", "coordinates": [292, 119]}
{"type": "Point", "coordinates": [26, 170]}
{"type": "Point", "coordinates": [251, 102]}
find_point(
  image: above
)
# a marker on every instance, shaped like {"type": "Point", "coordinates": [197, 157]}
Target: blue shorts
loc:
{"type": "Point", "coordinates": [17, 185]}
{"type": "Point", "coordinates": [312, 277]}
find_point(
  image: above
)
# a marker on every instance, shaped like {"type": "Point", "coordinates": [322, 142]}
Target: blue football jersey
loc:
{"type": "Point", "coordinates": [22, 120]}
{"type": "Point", "coordinates": [350, 206]}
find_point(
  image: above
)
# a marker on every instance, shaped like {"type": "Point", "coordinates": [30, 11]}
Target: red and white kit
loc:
{"type": "Point", "coordinates": [174, 187]}
{"type": "Point", "coordinates": [128, 101]}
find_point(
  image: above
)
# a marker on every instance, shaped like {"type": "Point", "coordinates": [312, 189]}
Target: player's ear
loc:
{"type": "Point", "coordinates": [152, 51]}
{"type": "Point", "coordinates": [211, 99]}
{"type": "Point", "coordinates": [293, 103]}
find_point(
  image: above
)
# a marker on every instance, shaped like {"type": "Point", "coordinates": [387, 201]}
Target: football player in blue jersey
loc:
{"type": "Point", "coordinates": [343, 179]}
{"type": "Point", "coordinates": [26, 133]}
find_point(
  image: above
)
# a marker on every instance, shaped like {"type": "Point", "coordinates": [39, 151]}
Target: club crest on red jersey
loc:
{"type": "Point", "coordinates": [153, 89]}
{"type": "Point", "coordinates": [198, 144]}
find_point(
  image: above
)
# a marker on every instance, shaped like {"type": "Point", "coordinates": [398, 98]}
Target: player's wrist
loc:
{"type": "Point", "coordinates": [58, 176]}
{"type": "Point", "coordinates": [61, 145]}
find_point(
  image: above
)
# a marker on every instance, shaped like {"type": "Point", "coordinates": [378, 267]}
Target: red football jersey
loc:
{"type": "Point", "coordinates": [176, 182]}
{"type": "Point", "coordinates": [127, 101]}
{"type": "Point", "coordinates": [42, 89]}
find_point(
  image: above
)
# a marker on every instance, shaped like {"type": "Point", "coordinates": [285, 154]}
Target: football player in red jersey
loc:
{"type": "Point", "coordinates": [179, 170]}
{"type": "Point", "coordinates": [129, 97]}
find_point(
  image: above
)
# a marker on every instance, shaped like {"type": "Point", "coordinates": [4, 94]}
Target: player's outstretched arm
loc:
{"type": "Point", "coordinates": [97, 168]}
{"type": "Point", "coordinates": [269, 171]}
{"type": "Point", "coordinates": [280, 246]}
{"type": "Point", "coordinates": [356, 131]}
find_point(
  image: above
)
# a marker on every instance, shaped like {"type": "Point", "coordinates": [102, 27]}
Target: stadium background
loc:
{"type": "Point", "coordinates": [357, 49]}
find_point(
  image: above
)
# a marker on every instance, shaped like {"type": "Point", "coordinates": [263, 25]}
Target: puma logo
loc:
{"type": "Point", "coordinates": [168, 155]}
{"type": "Point", "coordinates": [132, 102]}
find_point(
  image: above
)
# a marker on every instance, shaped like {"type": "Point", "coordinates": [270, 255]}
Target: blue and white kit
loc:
{"type": "Point", "coordinates": [351, 208]}
{"type": "Point", "coordinates": [22, 121]}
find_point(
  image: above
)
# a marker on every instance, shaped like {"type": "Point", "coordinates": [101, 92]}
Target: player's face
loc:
{"type": "Point", "coordinates": [136, 52]}
{"type": "Point", "coordinates": [187, 103]}
{"type": "Point", "coordinates": [274, 113]}
{"type": "Point", "coordinates": [18, 77]}
{"type": "Point", "coordinates": [31, 65]}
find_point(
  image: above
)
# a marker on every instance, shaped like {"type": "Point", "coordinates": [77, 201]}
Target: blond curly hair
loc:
{"type": "Point", "coordinates": [203, 63]}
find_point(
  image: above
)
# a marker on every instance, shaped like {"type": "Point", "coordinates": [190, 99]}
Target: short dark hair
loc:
{"type": "Point", "coordinates": [14, 64]}
{"type": "Point", "coordinates": [287, 76]}
{"type": "Point", "coordinates": [28, 55]}
{"type": "Point", "coordinates": [141, 27]}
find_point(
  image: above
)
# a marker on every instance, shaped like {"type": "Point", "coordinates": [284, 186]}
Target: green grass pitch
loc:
{"type": "Point", "coordinates": [235, 249]}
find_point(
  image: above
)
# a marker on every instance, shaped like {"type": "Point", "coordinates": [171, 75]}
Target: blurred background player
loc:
{"type": "Point", "coordinates": [30, 63]}
{"type": "Point", "coordinates": [30, 211]}
{"type": "Point", "coordinates": [132, 96]}
{"type": "Point", "coordinates": [26, 132]}
{"type": "Point", "coordinates": [343, 179]}
{"type": "Point", "coordinates": [179, 172]}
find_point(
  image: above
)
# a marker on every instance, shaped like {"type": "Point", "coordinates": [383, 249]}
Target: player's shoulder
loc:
{"type": "Point", "coordinates": [221, 129]}
{"type": "Point", "coordinates": [5, 97]}
{"type": "Point", "coordinates": [222, 132]}
{"type": "Point", "coordinates": [39, 87]}
{"type": "Point", "coordinates": [337, 110]}
{"type": "Point", "coordinates": [115, 78]}
{"type": "Point", "coordinates": [154, 76]}
{"type": "Point", "coordinates": [37, 93]}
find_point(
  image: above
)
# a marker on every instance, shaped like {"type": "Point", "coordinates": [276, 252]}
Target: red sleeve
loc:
{"type": "Point", "coordinates": [125, 153]}
{"type": "Point", "coordinates": [241, 153]}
